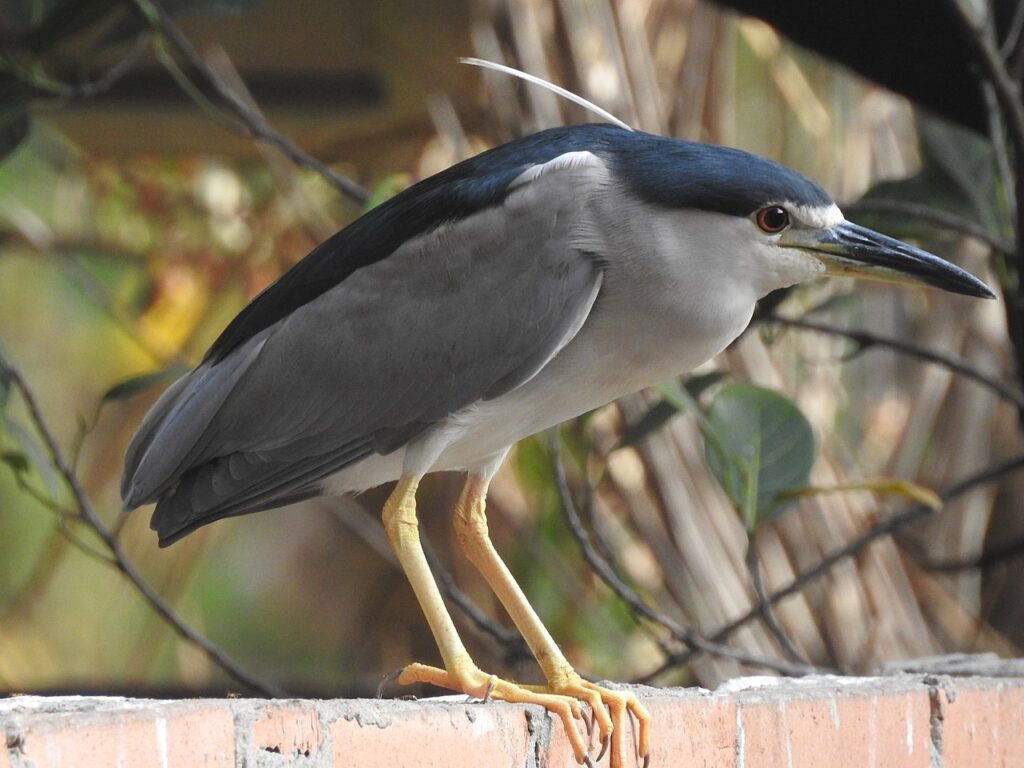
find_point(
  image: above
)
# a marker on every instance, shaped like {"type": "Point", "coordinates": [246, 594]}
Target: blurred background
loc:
{"type": "Point", "coordinates": [138, 213]}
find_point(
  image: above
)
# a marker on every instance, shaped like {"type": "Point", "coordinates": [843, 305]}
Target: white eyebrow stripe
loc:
{"type": "Point", "coordinates": [818, 216]}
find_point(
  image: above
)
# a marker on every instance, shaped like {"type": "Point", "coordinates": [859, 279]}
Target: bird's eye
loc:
{"type": "Point", "coordinates": [772, 219]}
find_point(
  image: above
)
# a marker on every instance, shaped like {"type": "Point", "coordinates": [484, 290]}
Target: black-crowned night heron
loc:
{"type": "Point", "coordinates": [515, 290]}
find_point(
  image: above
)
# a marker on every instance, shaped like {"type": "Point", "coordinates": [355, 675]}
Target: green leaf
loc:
{"type": "Point", "coordinates": [966, 161]}
{"type": "Point", "coordinates": [758, 445]}
{"type": "Point", "coordinates": [661, 412]}
{"type": "Point", "coordinates": [136, 384]}
{"type": "Point", "coordinates": [34, 453]}
{"type": "Point", "coordinates": [958, 175]}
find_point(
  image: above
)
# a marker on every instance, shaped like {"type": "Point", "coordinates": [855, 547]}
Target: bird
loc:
{"type": "Point", "coordinates": [517, 289]}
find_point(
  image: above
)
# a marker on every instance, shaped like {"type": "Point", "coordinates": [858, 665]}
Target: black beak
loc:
{"type": "Point", "coordinates": [856, 251]}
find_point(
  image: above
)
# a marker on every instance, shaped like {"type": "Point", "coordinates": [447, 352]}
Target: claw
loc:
{"type": "Point", "coordinates": [490, 688]}
{"type": "Point", "coordinates": [604, 746]}
{"type": "Point", "coordinates": [588, 762]}
{"type": "Point", "coordinates": [647, 760]}
{"type": "Point", "coordinates": [590, 724]}
{"type": "Point", "coordinates": [388, 678]}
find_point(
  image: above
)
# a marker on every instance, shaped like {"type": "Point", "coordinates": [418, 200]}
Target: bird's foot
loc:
{"type": "Point", "coordinates": [611, 710]}
{"type": "Point", "coordinates": [563, 699]}
{"type": "Point", "coordinates": [474, 682]}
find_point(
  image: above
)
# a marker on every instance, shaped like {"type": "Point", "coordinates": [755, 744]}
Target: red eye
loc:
{"type": "Point", "coordinates": [772, 219]}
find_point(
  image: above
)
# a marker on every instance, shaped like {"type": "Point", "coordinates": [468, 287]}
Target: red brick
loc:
{"type": "Point", "coordinates": [200, 736]}
{"type": "Point", "coordinates": [90, 740]}
{"type": "Point", "coordinates": [288, 730]}
{"type": "Point", "coordinates": [984, 726]}
{"type": "Point", "coordinates": [691, 729]}
{"type": "Point", "coordinates": [695, 730]}
{"type": "Point", "coordinates": [754, 724]}
{"type": "Point", "coordinates": [97, 733]}
{"type": "Point", "coordinates": [433, 735]}
{"type": "Point", "coordinates": [828, 727]}
{"type": "Point", "coordinates": [559, 752]}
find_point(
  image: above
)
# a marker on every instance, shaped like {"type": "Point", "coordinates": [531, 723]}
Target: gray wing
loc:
{"type": "Point", "coordinates": [466, 312]}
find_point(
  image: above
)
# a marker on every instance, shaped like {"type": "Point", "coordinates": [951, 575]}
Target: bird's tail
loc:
{"type": "Point", "coordinates": [170, 439]}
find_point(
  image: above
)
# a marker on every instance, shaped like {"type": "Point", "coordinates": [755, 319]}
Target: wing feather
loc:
{"type": "Point", "coordinates": [467, 311]}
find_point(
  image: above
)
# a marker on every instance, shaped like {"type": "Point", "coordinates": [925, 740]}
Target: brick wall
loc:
{"type": "Point", "coordinates": [904, 720]}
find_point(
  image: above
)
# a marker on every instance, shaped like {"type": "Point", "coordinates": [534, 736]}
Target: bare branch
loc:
{"type": "Point", "coordinates": [997, 554]}
{"type": "Point", "coordinates": [246, 118]}
{"type": "Point", "coordinates": [514, 647]}
{"type": "Point", "coordinates": [1013, 32]}
{"type": "Point", "coordinates": [695, 642]}
{"type": "Point", "coordinates": [1002, 95]}
{"type": "Point", "coordinates": [765, 606]}
{"type": "Point", "coordinates": [993, 69]}
{"type": "Point", "coordinates": [884, 527]}
{"type": "Point", "coordinates": [997, 135]}
{"type": "Point", "coordinates": [89, 517]}
{"type": "Point", "coordinates": [1006, 116]}
{"type": "Point", "coordinates": [865, 340]}
{"type": "Point", "coordinates": [929, 215]}
{"type": "Point", "coordinates": [108, 79]}
{"type": "Point", "coordinates": [367, 527]}
{"type": "Point", "coordinates": [33, 75]}
{"type": "Point", "coordinates": [62, 516]}
{"type": "Point", "coordinates": [1003, 98]}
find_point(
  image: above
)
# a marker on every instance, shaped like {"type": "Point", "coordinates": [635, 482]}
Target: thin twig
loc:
{"type": "Point", "coordinates": [595, 537]}
{"type": "Point", "coordinates": [514, 648]}
{"type": "Point", "coordinates": [1002, 96]}
{"type": "Point", "coordinates": [926, 214]}
{"type": "Point", "coordinates": [121, 562]}
{"type": "Point", "coordinates": [1009, 43]}
{"type": "Point", "coordinates": [767, 613]}
{"type": "Point", "coordinates": [996, 554]}
{"type": "Point", "coordinates": [688, 637]}
{"type": "Point", "coordinates": [63, 91]}
{"type": "Point", "coordinates": [994, 75]}
{"type": "Point", "coordinates": [108, 79]}
{"type": "Point", "coordinates": [246, 118]}
{"type": "Point", "coordinates": [997, 135]}
{"type": "Point", "coordinates": [882, 528]}
{"type": "Point", "coordinates": [994, 70]}
{"type": "Point", "coordinates": [61, 516]}
{"type": "Point", "coordinates": [866, 339]}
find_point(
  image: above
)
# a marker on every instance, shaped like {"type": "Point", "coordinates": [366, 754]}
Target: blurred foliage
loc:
{"type": "Point", "coordinates": [37, 34]}
{"type": "Point", "coordinates": [759, 446]}
{"type": "Point", "coordinates": [673, 401]}
{"type": "Point", "coordinates": [958, 174]}
{"type": "Point", "coordinates": [121, 271]}
{"type": "Point", "coordinates": [117, 272]}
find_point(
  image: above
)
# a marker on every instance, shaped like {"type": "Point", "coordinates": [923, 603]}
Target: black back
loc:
{"type": "Point", "coordinates": [659, 170]}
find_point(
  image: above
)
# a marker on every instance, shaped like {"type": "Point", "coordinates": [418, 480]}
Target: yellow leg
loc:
{"type": "Point", "coordinates": [459, 673]}
{"type": "Point", "coordinates": [610, 707]}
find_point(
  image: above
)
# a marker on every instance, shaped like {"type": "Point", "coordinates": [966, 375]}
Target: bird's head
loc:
{"type": "Point", "coordinates": [845, 249]}
{"type": "Point", "coordinates": [783, 227]}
